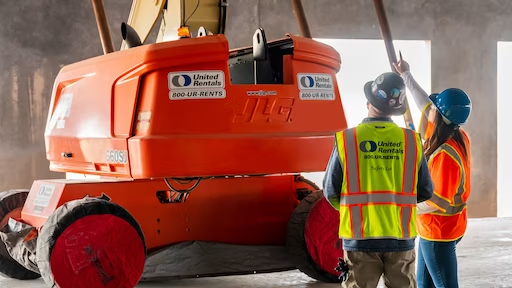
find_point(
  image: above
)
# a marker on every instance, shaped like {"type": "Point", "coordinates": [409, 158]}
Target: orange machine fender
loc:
{"type": "Point", "coordinates": [153, 126]}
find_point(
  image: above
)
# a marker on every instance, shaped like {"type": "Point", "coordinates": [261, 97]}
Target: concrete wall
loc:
{"type": "Point", "coordinates": [38, 37]}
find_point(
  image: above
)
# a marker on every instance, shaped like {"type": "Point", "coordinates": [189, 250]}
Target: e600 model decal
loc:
{"type": "Point", "coordinates": [116, 156]}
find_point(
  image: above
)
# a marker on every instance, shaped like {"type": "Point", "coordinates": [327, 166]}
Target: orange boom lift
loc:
{"type": "Point", "coordinates": [195, 153]}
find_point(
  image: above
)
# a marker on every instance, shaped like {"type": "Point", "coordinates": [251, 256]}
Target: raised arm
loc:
{"type": "Point", "coordinates": [418, 94]}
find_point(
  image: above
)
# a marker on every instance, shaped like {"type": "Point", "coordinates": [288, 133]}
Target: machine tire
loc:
{"type": "Point", "coordinates": [91, 243]}
{"type": "Point", "coordinates": [10, 268]}
{"type": "Point", "coordinates": [297, 239]}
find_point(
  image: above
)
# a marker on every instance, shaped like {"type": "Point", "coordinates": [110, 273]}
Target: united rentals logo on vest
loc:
{"type": "Point", "coordinates": [383, 147]}
{"type": "Point", "coordinates": [378, 205]}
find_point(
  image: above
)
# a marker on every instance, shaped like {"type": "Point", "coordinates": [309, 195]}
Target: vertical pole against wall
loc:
{"type": "Point", "coordinates": [388, 41]}
{"type": "Point", "coordinates": [101, 21]}
{"type": "Point", "coordinates": [301, 18]}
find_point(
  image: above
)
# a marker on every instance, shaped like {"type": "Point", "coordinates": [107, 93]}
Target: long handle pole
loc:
{"type": "Point", "coordinates": [388, 41]}
{"type": "Point", "coordinates": [301, 18]}
{"type": "Point", "coordinates": [101, 21]}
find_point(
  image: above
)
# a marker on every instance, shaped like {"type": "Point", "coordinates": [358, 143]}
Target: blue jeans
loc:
{"type": "Point", "coordinates": [437, 264]}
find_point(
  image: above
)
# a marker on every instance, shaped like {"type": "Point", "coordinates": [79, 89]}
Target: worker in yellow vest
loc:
{"type": "Point", "coordinates": [376, 175]}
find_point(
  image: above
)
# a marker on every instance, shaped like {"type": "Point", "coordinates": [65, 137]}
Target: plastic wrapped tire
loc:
{"type": "Point", "coordinates": [91, 243]}
{"type": "Point", "coordinates": [322, 242]}
{"type": "Point", "coordinates": [10, 201]}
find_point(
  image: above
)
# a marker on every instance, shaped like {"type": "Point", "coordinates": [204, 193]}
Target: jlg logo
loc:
{"type": "Point", "coordinates": [266, 110]}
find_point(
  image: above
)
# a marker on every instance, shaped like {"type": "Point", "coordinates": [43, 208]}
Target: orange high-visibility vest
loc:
{"type": "Point", "coordinates": [450, 172]}
{"type": "Point", "coordinates": [380, 167]}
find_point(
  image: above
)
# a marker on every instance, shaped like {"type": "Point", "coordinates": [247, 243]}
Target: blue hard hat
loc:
{"type": "Point", "coordinates": [453, 104]}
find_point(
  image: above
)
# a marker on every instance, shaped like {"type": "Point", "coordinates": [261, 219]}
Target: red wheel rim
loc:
{"type": "Point", "coordinates": [321, 234]}
{"type": "Point", "coordinates": [98, 251]}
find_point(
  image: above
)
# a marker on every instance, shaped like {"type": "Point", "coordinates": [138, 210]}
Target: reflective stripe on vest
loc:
{"type": "Point", "coordinates": [458, 205]}
{"type": "Point", "coordinates": [354, 199]}
{"type": "Point", "coordinates": [424, 123]}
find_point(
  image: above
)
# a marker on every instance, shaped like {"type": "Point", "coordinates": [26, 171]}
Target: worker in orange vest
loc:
{"type": "Point", "coordinates": [375, 177]}
{"type": "Point", "coordinates": [442, 220]}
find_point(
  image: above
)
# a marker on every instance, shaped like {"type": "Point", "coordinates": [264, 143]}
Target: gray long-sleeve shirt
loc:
{"type": "Point", "coordinates": [420, 98]}
{"type": "Point", "coordinates": [424, 104]}
{"type": "Point", "coordinates": [332, 187]}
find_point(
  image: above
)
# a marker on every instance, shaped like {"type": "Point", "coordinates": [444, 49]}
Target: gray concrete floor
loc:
{"type": "Point", "coordinates": [485, 259]}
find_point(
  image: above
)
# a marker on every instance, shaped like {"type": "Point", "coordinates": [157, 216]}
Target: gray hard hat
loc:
{"type": "Point", "coordinates": [387, 93]}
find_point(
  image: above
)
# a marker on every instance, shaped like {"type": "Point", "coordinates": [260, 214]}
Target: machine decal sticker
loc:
{"type": "Point", "coordinates": [197, 85]}
{"type": "Point", "coordinates": [315, 86]}
{"type": "Point", "coordinates": [116, 156]}
{"type": "Point", "coordinates": [144, 116]}
{"type": "Point", "coordinates": [143, 120]}
{"type": "Point", "coordinates": [197, 94]}
{"type": "Point", "coordinates": [44, 195]}
{"type": "Point", "coordinates": [142, 126]}
{"type": "Point", "coordinates": [62, 111]}
{"type": "Point", "coordinates": [262, 93]}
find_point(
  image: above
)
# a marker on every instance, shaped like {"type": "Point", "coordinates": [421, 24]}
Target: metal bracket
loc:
{"type": "Point", "coordinates": [263, 73]}
{"type": "Point", "coordinates": [201, 32]}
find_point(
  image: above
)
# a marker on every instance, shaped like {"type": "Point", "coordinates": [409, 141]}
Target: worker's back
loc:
{"type": "Point", "coordinates": [381, 163]}
{"type": "Point", "coordinates": [383, 175]}
{"type": "Point", "coordinates": [383, 156]}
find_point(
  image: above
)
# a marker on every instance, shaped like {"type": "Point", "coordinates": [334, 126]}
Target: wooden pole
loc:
{"type": "Point", "coordinates": [388, 41]}
{"type": "Point", "coordinates": [301, 18]}
{"type": "Point", "coordinates": [101, 21]}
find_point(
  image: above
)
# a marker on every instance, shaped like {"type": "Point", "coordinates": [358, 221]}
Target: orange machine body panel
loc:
{"type": "Point", "coordinates": [235, 210]}
{"type": "Point", "coordinates": [179, 109]}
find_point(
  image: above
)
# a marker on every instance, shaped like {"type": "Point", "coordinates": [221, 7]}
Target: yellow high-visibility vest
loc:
{"type": "Point", "coordinates": [379, 191]}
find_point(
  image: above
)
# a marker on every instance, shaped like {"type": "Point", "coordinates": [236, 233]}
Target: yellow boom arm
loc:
{"type": "Point", "coordinates": [210, 14]}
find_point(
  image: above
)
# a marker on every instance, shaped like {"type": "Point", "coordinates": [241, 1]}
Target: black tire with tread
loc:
{"type": "Point", "coordinates": [296, 242]}
{"type": "Point", "coordinates": [10, 268]}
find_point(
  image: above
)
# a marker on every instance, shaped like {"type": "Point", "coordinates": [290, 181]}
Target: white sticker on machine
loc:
{"type": "Point", "coordinates": [44, 195]}
{"type": "Point", "coordinates": [316, 95]}
{"type": "Point", "coordinates": [197, 94]}
{"type": "Point", "coordinates": [197, 85]}
{"type": "Point", "coordinates": [62, 111]}
{"type": "Point", "coordinates": [315, 86]}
